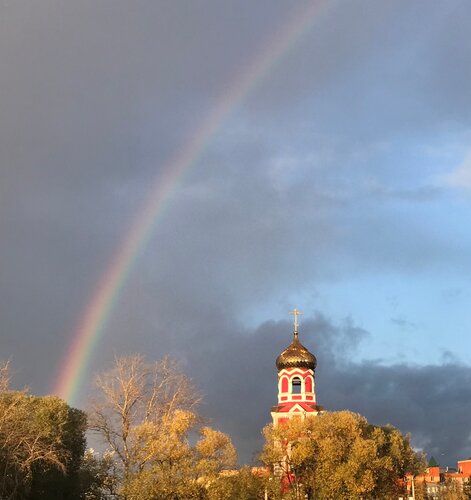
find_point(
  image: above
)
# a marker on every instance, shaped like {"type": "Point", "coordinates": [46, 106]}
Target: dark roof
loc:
{"type": "Point", "coordinates": [296, 356]}
{"type": "Point", "coordinates": [432, 462]}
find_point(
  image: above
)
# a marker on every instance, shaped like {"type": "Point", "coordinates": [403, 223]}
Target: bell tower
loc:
{"type": "Point", "coordinates": [296, 380]}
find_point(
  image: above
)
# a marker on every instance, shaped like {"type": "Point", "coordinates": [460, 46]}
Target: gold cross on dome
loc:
{"type": "Point", "coordinates": [296, 313]}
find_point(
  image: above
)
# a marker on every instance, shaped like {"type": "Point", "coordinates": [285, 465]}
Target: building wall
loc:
{"type": "Point", "coordinates": [464, 466]}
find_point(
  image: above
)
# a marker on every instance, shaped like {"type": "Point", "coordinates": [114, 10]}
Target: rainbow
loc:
{"type": "Point", "coordinates": [74, 367]}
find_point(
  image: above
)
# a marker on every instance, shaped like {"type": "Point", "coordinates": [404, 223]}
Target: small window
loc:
{"type": "Point", "coordinates": [296, 385]}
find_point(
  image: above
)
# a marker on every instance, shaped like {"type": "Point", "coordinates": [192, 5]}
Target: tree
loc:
{"type": "Point", "coordinates": [420, 489]}
{"type": "Point", "coordinates": [134, 393]}
{"type": "Point", "coordinates": [239, 485]}
{"type": "Point", "coordinates": [452, 490]}
{"type": "Point", "coordinates": [66, 427]}
{"type": "Point", "coordinates": [175, 469]}
{"type": "Point", "coordinates": [42, 441]}
{"type": "Point", "coordinates": [98, 476]}
{"type": "Point", "coordinates": [4, 376]}
{"type": "Point", "coordinates": [145, 414]}
{"type": "Point", "coordinates": [340, 455]}
{"type": "Point", "coordinates": [467, 489]}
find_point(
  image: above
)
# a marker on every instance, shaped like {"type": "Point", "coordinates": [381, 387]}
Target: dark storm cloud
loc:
{"type": "Point", "coordinates": [431, 402]}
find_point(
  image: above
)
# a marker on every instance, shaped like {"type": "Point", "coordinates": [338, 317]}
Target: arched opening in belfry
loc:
{"type": "Point", "coordinates": [296, 385]}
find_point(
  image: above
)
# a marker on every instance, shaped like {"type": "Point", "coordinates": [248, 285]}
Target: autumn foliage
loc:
{"type": "Point", "coordinates": [156, 446]}
{"type": "Point", "coordinates": [339, 455]}
{"type": "Point", "coordinates": [146, 414]}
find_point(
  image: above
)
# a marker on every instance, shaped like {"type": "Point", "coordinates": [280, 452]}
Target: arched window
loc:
{"type": "Point", "coordinates": [296, 385]}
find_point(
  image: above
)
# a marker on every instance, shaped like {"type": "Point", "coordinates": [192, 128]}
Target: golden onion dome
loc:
{"type": "Point", "coordinates": [296, 356]}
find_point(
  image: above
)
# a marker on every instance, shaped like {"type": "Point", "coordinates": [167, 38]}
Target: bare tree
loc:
{"type": "Point", "coordinates": [4, 376]}
{"type": "Point", "coordinates": [134, 393]}
{"type": "Point", "coordinates": [146, 414]}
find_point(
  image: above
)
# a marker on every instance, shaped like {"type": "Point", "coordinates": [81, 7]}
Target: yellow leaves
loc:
{"type": "Point", "coordinates": [214, 451]}
{"type": "Point", "coordinates": [38, 436]}
{"type": "Point", "coordinates": [180, 422]}
{"type": "Point", "coordinates": [146, 414]}
{"type": "Point", "coordinates": [173, 468]}
{"type": "Point", "coordinates": [340, 455]}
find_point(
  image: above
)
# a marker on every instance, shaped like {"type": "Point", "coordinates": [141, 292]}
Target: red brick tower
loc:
{"type": "Point", "coordinates": [296, 381]}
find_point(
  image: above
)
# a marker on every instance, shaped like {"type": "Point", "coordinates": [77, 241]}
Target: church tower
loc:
{"type": "Point", "coordinates": [296, 380]}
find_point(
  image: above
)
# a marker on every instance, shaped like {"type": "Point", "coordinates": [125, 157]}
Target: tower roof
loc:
{"type": "Point", "coordinates": [296, 355]}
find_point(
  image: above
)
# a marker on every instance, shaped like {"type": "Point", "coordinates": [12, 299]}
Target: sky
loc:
{"type": "Point", "coordinates": [336, 179]}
